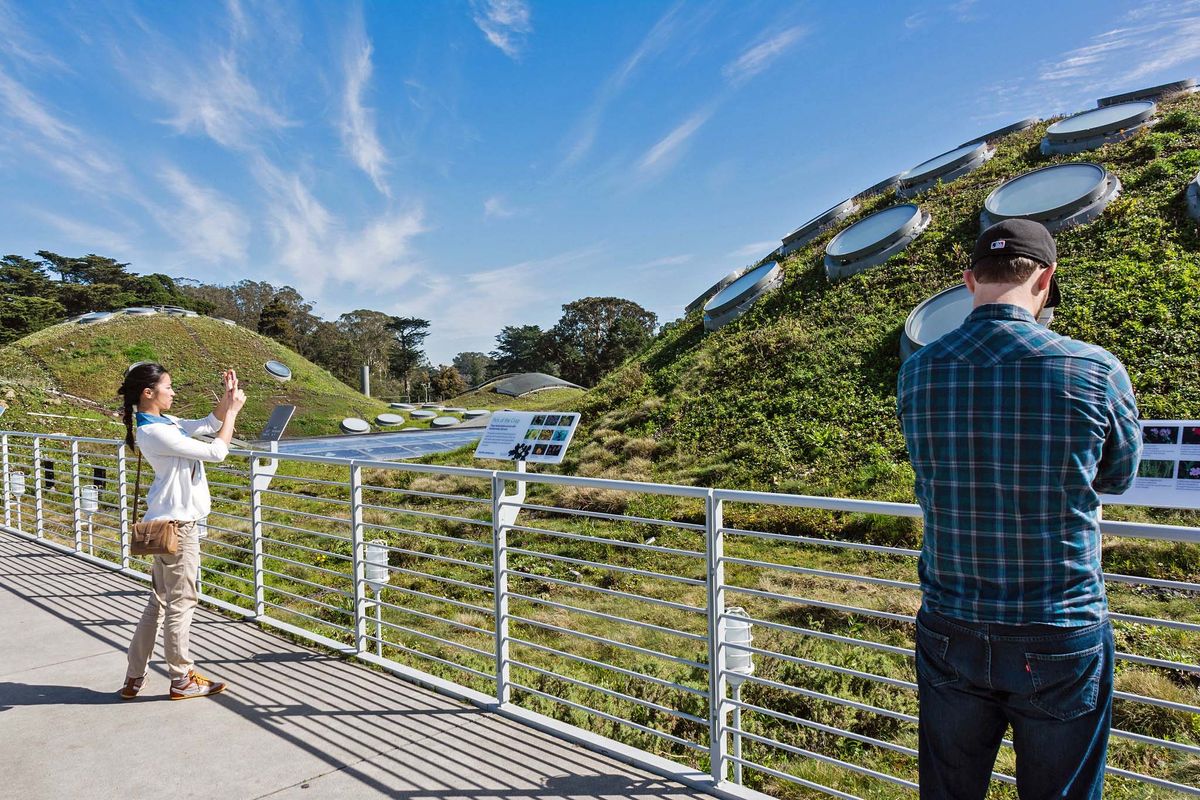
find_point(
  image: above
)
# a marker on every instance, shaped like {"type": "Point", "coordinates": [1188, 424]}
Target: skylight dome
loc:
{"type": "Point", "coordinates": [1186, 86]}
{"type": "Point", "coordinates": [1091, 129]}
{"type": "Point", "coordinates": [708, 293]}
{"type": "Point", "coordinates": [934, 317]}
{"type": "Point", "coordinates": [94, 317]}
{"type": "Point", "coordinates": [278, 370]}
{"type": "Point", "coordinates": [992, 136]}
{"type": "Point", "coordinates": [354, 425]}
{"type": "Point", "coordinates": [138, 311]}
{"type": "Point", "coordinates": [423, 413]}
{"type": "Point", "coordinates": [736, 299]}
{"type": "Point", "coordinates": [444, 422]}
{"type": "Point", "coordinates": [874, 239]}
{"type": "Point", "coordinates": [883, 186]}
{"type": "Point", "coordinates": [816, 226]}
{"type": "Point", "coordinates": [944, 168]}
{"type": "Point", "coordinates": [1193, 198]}
{"type": "Point", "coordinates": [1058, 196]}
{"type": "Point", "coordinates": [389, 419]}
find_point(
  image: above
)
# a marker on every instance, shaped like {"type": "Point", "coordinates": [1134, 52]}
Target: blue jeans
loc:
{"type": "Point", "coordinates": [1054, 686]}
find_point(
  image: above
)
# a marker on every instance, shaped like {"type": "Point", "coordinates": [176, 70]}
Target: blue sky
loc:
{"type": "Point", "coordinates": [480, 163]}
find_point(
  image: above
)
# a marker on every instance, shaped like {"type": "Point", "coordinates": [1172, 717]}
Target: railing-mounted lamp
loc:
{"type": "Point", "coordinates": [739, 665]}
{"type": "Point", "coordinates": [89, 504]}
{"type": "Point", "coordinates": [16, 488]}
{"type": "Point", "coordinates": [378, 575]}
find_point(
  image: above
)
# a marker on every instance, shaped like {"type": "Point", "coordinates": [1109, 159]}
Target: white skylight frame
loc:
{"type": "Point", "coordinates": [1185, 86]}
{"type": "Point", "coordinates": [817, 226]}
{"type": "Point", "coordinates": [944, 168]}
{"type": "Point", "coordinates": [1067, 135]}
{"type": "Point", "coordinates": [718, 314]}
{"type": "Point", "coordinates": [1087, 208]}
{"type": "Point", "coordinates": [1000, 133]}
{"type": "Point", "coordinates": [843, 265]}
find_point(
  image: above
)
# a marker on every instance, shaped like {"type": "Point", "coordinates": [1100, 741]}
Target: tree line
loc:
{"type": "Point", "coordinates": [593, 336]}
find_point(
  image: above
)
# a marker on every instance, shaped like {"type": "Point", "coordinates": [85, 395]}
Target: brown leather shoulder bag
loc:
{"type": "Point", "coordinates": [158, 537]}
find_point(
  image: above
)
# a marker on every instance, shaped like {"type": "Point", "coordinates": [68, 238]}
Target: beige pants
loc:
{"type": "Point", "coordinates": [171, 606]}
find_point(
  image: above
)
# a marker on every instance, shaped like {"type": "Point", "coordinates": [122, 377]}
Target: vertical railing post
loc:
{"type": "Point", "coordinates": [359, 561]}
{"type": "Point", "coordinates": [76, 512]}
{"type": "Point", "coordinates": [500, 593]}
{"type": "Point", "coordinates": [123, 505]}
{"type": "Point", "coordinates": [7, 485]}
{"type": "Point", "coordinates": [256, 538]}
{"type": "Point", "coordinates": [38, 479]}
{"type": "Point", "coordinates": [715, 552]}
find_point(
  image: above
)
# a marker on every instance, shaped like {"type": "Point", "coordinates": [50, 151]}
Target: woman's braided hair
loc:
{"type": "Point", "coordinates": [138, 378]}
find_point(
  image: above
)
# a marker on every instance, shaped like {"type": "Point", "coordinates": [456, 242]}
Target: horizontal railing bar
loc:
{"type": "Point", "coordinates": [304, 479]}
{"type": "Point", "coordinates": [790, 778]}
{"type": "Point", "coordinates": [601, 540]}
{"type": "Point", "coordinates": [880, 507]}
{"type": "Point", "coordinates": [435, 618]}
{"type": "Point", "coordinates": [609, 667]}
{"type": "Point", "coordinates": [699, 637]}
{"type": "Point", "coordinates": [1154, 621]}
{"type": "Point", "coordinates": [443, 661]}
{"type": "Point", "coordinates": [1156, 582]}
{"type": "Point", "coordinates": [305, 514]}
{"type": "Point", "coordinates": [805, 662]}
{"type": "Point", "coordinates": [439, 599]}
{"type": "Point", "coordinates": [219, 588]}
{"type": "Point", "coordinates": [800, 751]}
{"type": "Point", "coordinates": [804, 601]}
{"type": "Point", "coordinates": [276, 590]}
{"type": "Point", "coordinates": [1154, 701]}
{"type": "Point", "coordinates": [601, 590]}
{"type": "Point", "coordinates": [223, 560]}
{"type": "Point", "coordinates": [426, 535]}
{"type": "Point", "coordinates": [1149, 530]}
{"type": "Point", "coordinates": [615, 568]}
{"type": "Point", "coordinates": [309, 497]}
{"type": "Point", "coordinates": [369, 487]}
{"type": "Point", "coordinates": [320, 586]}
{"type": "Point", "coordinates": [1157, 662]}
{"type": "Point", "coordinates": [307, 548]}
{"type": "Point", "coordinates": [633, 648]}
{"type": "Point", "coordinates": [230, 531]}
{"type": "Point", "coordinates": [443, 559]}
{"type": "Point", "coordinates": [304, 564]}
{"type": "Point", "coordinates": [1151, 740]}
{"type": "Point", "coordinates": [610, 717]}
{"type": "Point", "coordinates": [822, 573]}
{"type": "Point", "coordinates": [215, 541]}
{"type": "Point", "coordinates": [307, 531]}
{"type": "Point", "coordinates": [610, 692]}
{"type": "Point", "coordinates": [324, 622]}
{"type": "Point", "coordinates": [833, 637]}
{"type": "Point", "coordinates": [808, 723]}
{"type": "Point", "coordinates": [442, 579]}
{"type": "Point", "coordinates": [579, 512]}
{"type": "Point", "coordinates": [1159, 782]}
{"type": "Point", "coordinates": [607, 483]}
{"type": "Point", "coordinates": [428, 515]}
{"type": "Point", "coordinates": [432, 638]}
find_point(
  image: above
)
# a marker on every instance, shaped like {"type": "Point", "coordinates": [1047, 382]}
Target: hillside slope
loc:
{"type": "Point", "coordinates": [74, 371]}
{"type": "Point", "coordinates": [799, 394]}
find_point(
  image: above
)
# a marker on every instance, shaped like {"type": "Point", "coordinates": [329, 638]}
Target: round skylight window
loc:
{"type": "Point", "coordinates": [944, 168]}
{"type": "Point", "coordinates": [402, 406]}
{"type": "Point", "coordinates": [992, 136]}
{"type": "Point", "coordinates": [1149, 93]}
{"type": "Point", "coordinates": [476, 413]}
{"type": "Point", "coordinates": [355, 425]}
{"type": "Point", "coordinates": [1193, 198]}
{"type": "Point", "coordinates": [454, 410]}
{"type": "Point", "coordinates": [94, 317]}
{"type": "Point", "coordinates": [816, 226]}
{"type": "Point", "coordinates": [934, 317]}
{"type": "Point", "coordinates": [716, 287]}
{"type": "Point", "coordinates": [444, 422]}
{"type": "Point", "coordinates": [389, 419]}
{"type": "Point", "coordinates": [1090, 129]}
{"type": "Point", "coordinates": [278, 370]}
{"type": "Point", "coordinates": [423, 413]}
{"type": "Point", "coordinates": [139, 312]}
{"type": "Point", "coordinates": [1059, 196]}
{"type": "Point", "coordinates": [885, 185]}
{"type": "Point", "coordinates": [736, 298]}
{"type": "Point", "coordinates": [874, 239]}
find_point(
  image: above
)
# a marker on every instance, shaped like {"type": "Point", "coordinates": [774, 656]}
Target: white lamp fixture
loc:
{"type": "Point", "coordinates": [738, 663]}
{"type": "Point", "coordinates": [378, 574]}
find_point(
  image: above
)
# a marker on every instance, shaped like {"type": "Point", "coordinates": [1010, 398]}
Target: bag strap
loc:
{"type": "Point", "coordinates": [137, 488]}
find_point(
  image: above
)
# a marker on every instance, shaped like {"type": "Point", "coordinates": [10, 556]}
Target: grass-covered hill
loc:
{"type": "Point", "coordinates": [799, 394]}
{"type": "Point", "coordinates": [73, 371]}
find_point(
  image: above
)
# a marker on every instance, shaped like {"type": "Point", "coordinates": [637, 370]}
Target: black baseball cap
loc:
{"type": "Point", "coordinates": [1020, 237]}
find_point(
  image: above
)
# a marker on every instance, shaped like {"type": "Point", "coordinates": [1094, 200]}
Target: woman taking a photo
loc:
{"type": "Point", "coordinates": [179, 492]}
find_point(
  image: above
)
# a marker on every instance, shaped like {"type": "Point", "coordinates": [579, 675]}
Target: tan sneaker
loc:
{"type": "Point", "coordinates": [132, 687]}
{"type": "Point", "coordinates": [194, 685]}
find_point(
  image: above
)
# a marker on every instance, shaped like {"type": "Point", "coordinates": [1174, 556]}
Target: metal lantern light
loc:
{"type": "Point", "coordinates": [16, 484]}
{"type": "Point", "coordinates": [377, 570]}
{"type": "Point", "coordinates": [739, 663]}
{"type": "Point", "coordinates": [89, 499]}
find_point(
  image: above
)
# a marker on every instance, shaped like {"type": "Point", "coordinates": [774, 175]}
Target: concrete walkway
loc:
{"type": "Point", "coordinates": [295, 723]}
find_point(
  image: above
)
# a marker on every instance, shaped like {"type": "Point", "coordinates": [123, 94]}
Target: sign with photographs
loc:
{"type": "Point", "coordinates": [538, 437]}
{"type": "Point", "coordinates": [1169, 474]}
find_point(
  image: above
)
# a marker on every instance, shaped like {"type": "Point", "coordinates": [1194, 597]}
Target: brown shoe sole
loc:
{"type": "Point", "coordinates": [209, 693]}
{"type": "Point", "coordinates": [128, 696]}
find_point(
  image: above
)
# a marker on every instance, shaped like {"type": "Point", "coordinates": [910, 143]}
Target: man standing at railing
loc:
{"type": "Point", "coordinates": [1013, 432]}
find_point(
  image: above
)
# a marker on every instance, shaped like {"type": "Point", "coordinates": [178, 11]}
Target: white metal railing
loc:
{"type": "Point", "coordinates": [605, 604]}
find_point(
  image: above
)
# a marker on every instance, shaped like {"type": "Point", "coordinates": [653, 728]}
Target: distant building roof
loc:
{"type": "Point", "coordinates": [527, 383]}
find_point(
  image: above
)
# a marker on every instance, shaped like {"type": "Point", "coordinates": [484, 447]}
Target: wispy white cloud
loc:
{"type": "Point", "coordinates": [584, 134]}
{"type": "Point", "coordinates": [965, 10]}
{"type": "Point", "coordinates": [761, 54]}
{"type": "Point", "coordinates": [665, 261]}
{"type": "Point", "coordinates": [358, 121]}
{"type": "Point", "coordinates": [505, 23]}
{"type": "Point", "coordinates": [210, 227]}
{"type": "Point", "coordinates": [916, 21]}
{"type": "Point", "coordinates": [753, 250]}
{"type": "Point", "coordinates": [668, 149]}
{"type": "Point", "coordinates": [90, 238]}
{"type": "Point", "coordinates": [17, 44]}
{"type": "Point", "coordinates": [496, 207]}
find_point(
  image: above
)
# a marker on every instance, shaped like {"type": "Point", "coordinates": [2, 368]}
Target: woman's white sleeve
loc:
{"type": "Point", "coordinates": [200, 427]}
{"type": "Point", "coordinates": [166, 440]}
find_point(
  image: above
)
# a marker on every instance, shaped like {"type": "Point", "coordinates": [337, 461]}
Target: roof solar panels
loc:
{"type": "Point", "coordinates": [423, 413]}
{"type": "Point", "coordinates": [278, 370]}
{"type": "Point", "coordinates": [1185, 86]}
{"type": "Point", "coordinates": [816, 226]}
{"type": "Point", "coordinates": [444, 422]}
{"type": "Point", "coordinates": [736, 299]}
{"type": "Point", "coordinates": [708, 293]}
{"type": "Point", "coordinates": [1088, 130]}
{"type": "Point", "coordinates": [1058, 196]}
{"type": "Point", "coordinates": [389, 419]}
{"type": "Point", "coordinates": [354, 425]}
{"type": "Point", "coordinates": [95, 317]}
{"type": "Point", "coordinates": [1015, 127]}
{"type": "Point", "coordinates": [944, 168]}
{"type": "Point", "coordinates": [874, 239]}
{"type": "Point", "coordinates": [934, 317]}
{"type": "Point", "coordinates": [1193, 198]}
{"type": "Point", "coordinates": [885, 185]}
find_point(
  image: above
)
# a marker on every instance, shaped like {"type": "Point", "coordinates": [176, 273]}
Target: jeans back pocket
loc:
{"type": "Point", "coordinates": [1066, 685]}
{"type": "Point", "coordinates": [932, 649]}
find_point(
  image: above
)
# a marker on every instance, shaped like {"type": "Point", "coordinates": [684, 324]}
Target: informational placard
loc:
{"type": "Point", "coordinates": [538, 437]}
{"type": "Point", "coordinates": [281, 415]}
{"type": "Point", "coordinates": [1169, 475]}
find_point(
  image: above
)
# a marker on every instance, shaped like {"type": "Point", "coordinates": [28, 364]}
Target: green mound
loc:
{"type": "Point", "coordinates": [64, 378]}
{"type": "Point", "coordinates": [799, 394]}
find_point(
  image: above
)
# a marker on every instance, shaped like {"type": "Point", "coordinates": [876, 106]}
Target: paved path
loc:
{"type": "Point", "coordinates": [295, 723]}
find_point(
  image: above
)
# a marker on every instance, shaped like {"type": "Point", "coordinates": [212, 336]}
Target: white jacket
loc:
{"type": "Point", "coordinates": [179, 490]}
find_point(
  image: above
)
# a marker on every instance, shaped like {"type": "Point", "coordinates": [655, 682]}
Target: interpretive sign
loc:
{"type": "Point", "coordinates": [278, 422]}
{"type": "Point", "coordinates": [538, 437]}
{"type": "Point", "coordinates": [1169, 475]}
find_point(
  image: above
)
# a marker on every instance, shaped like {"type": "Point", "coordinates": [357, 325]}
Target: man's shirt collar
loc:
{"type": "Point", "coordinates": [1001, 311]}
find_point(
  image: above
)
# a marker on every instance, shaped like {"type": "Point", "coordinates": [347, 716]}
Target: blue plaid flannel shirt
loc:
{"type": "Point", "coordinates": [1013, 431]}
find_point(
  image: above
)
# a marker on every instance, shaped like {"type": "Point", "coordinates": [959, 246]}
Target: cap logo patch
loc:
{"type": "Point", "coordinates": [998, 244]}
